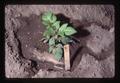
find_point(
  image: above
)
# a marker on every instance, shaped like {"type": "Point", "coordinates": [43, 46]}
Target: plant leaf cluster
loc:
{"type": "Point", "coordinates": [56, 34]}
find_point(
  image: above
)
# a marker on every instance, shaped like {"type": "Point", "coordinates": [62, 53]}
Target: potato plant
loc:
{"type": "Point", "coordinates": [56, 34]}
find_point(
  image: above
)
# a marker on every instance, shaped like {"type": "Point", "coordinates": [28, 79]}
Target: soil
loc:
{"type": "Point", "coordinates": [91, 55]}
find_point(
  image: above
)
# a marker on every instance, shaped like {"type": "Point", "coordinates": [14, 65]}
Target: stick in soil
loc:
{"type": "Point", "coordinates": [66, 57]}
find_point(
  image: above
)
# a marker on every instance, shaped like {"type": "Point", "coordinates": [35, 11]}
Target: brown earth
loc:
{"type": "Point", "coordinates": [92, 56]}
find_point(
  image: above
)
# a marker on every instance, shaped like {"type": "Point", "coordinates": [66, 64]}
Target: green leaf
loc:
{"type": "Point", "coordinates": [69, 31]}
{"type": "Point", "coordinates": [65, 40]}
{"type": "Point", "coordinates": [45, 23]}
{"type": "Point", "coordinates": [61, 34]}
{"type": "Point", "coordinates": [50, 49]}
{"type": "Point", "coordinates": [61, 30]}
{"type": "Point", "coordinates": [59, 45]}
{"type": "Point", "coordinates": [56, 24]}
{"type": "Point", "coordinates": [50, 30]}
{"type": "Point", "coordinates": [47, 16]}
{"type": "Point", "coordinates": [51, 41]}
{"type": "Point", "coordinates": [53, 18]}
{"type": "Point", "coordinates": [63, 27]}
{"type": "Point", "coordinates": [46, 34]}
{"type": "Point", "coordinates": [58, 52]}
{"type": "Point", "coordinates": [44, 18]}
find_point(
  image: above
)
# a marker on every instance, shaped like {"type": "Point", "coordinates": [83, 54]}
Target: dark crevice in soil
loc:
{"type": "Point", "coordinates": [75, 54]}
{"type": "Point", "coordinates": [19, 47]}
{"type": "Point", "coordinates": [33, 69]}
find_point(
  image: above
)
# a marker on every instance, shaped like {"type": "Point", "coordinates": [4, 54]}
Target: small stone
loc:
{"type": "Point", "coordinates": [28, 33]}
{"type": "Point", "coordinates": [17, 15]}
{"type": "Point", "coordinates": [112, 30]}
{"type": "Point", "coordinates": [26, 45]}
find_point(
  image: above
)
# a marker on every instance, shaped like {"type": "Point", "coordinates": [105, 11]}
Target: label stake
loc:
{"type": "Point", "coordinates": [66, 57]}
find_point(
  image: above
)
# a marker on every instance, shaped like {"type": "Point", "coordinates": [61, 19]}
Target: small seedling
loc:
{"type": "Point", "coordinates": [56, 34]}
